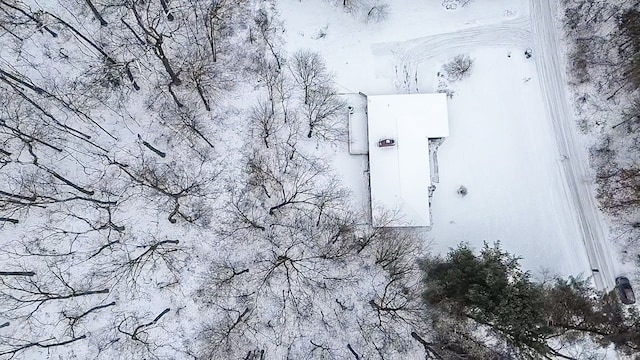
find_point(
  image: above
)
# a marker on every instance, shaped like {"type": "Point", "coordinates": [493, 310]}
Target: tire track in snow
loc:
{"type": "Point", "coordinates": [409, 54]}
{"type": "Point", "coordinates": [513, 32]}
{"type": "Point", "coordinates": [576, 166]}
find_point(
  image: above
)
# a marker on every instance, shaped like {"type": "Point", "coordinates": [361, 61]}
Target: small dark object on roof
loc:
{"type": "Point", "coordinates": [386, 142]}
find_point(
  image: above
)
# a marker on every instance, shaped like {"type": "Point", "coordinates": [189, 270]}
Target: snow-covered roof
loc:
{"type": "Point", "coordinates": [400, 175]}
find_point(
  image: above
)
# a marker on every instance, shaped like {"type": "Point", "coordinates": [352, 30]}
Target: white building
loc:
{"type": "Point", "coordinates": [400, 175]}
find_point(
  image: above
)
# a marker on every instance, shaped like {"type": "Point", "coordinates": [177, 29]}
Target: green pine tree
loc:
{"type": "Point", "coordinates": [491, 290]}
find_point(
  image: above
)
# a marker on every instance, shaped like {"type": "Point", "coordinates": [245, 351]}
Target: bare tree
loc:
{"type": "Point", "coordinates": [96, 13]}
{"type": "Point", "coordinates": [325, 114]}
{"type": "Point", "coordinates": [631, 117]}
{"type": "Point", "coordinates": [309, 71]}
{"type": "Point", "coordinates": [267, 28]}
{"type": "Point", "coordinates": [321, 105]}
{"type": "Point", "coordinates": [178, 190]}
{"type": "Point", "coordinates": [96, 101]}
{"type": "Point", "coordinates": [29, 302]}
{"type": "Point", "coordinates": [265, 122]}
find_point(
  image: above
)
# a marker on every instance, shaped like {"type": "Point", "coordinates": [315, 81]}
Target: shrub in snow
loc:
{"type": "Point", "coordinates": [378, 12]}
{"type": "Point", "coordinates": [443, 87]}
{"type": "Point", "coordinates": [350, 6]}
{"type": "Point", "coordinates": [462, 190]}
{"type": "Point", "coordinates": [367, 10]}
{"type": "Point", "coordinates": [453, 4]}
{"type": "Point", "coordinates": [458, 68]}
{"type": "Point", "coordinates": [322, 32]}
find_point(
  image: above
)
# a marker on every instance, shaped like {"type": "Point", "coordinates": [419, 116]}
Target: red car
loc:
{"type": "Point", "coordinates": [386, 142]}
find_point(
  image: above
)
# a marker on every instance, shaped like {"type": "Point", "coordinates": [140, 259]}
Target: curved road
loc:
{"type": "Point", "coordinates": [576, 167]}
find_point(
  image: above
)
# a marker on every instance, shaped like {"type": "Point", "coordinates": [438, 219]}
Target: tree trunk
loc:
{"type": "Point", "coordinates": [96, 13]}
{"type": "Point", "coordinates": [165, 7]}
{"type": "Point", "coordinates": [17, 273]}
{"type": "Point", "coordinates": [175, 80]}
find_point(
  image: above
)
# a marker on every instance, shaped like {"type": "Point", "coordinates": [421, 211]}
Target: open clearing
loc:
{"type": "Point", "coordinates": [512, 142]}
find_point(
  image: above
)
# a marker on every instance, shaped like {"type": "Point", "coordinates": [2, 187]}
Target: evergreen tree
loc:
{"type": "Point", "coordinates": [491, 290]}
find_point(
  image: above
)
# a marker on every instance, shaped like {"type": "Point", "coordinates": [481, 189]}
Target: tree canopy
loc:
{"type": "Point", "coordinates": [490, 291]}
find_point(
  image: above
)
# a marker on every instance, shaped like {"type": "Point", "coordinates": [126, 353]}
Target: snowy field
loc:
{"type": "Point", "coordinates": [502, 150]}
{"type": "Point", "coordinates": [503, 145]}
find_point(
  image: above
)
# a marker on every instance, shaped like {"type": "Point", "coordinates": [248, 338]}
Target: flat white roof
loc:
{"type": "Point", "coordinates": [400, 175]}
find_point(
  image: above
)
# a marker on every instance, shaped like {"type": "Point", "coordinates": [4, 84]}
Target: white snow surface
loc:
{"type": "Point", "coordinates": [510, 120]}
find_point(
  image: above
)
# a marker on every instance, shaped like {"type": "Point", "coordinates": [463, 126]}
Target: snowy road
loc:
{"type": "Point", "coordinates": [576, 168]}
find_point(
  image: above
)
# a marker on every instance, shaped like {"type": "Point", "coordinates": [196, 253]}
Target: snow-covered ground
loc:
{"type": "Point", "coordinates": [513, 142]}
{"type": "Point", "coordinates": [502, 150]}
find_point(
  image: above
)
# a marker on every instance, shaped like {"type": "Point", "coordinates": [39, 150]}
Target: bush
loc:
{"type": "Point", "coordinates": [458, 68]}
{"type": "Point", "coordinates": [378, 12]}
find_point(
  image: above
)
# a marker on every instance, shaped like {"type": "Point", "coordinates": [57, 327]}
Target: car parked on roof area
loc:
{"type": "Point", "coordinates": [386, 142]}
{"type": "Point", "coordinates": [625, 291]}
